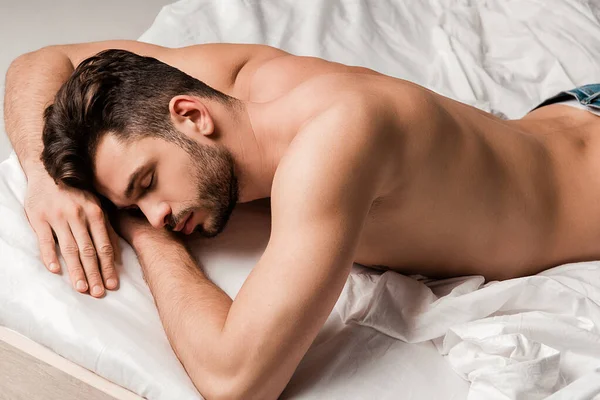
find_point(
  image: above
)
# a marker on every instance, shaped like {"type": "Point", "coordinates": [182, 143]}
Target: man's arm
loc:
{"type": "Point", "coordinates": [73, 216]}
{"type": "Point", "coordinates": [249, 348]}
{"type": "Point", "coordinates": [32, 81]}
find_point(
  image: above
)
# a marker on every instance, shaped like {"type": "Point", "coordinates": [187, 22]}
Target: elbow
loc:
{"type": "Point", "coordinates": [233, 392]}
{"type": "Point", "coordinates": [17, 62]}
{"type": "Point", "coordinates": [237, 387]}
{"type": "Point", "coordinates": [219, 389]}
{"type": "Point", "coordinates": [34, 57]}
{"type": "Point", "coordinates": [26, 58]}
{"type": "Point", "coordinates": [237, 372]}
{"type": "Point", "coordinates": [13, 75]}
{"type": "Point", "coordinates": [224, 391]}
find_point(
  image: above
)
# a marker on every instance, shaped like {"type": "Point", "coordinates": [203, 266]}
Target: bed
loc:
{"type": "Point", "coordinates": [389, 336]}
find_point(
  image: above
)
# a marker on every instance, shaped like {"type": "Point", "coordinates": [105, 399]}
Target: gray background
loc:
{"type": "Point", "coordinates": [27, 25]}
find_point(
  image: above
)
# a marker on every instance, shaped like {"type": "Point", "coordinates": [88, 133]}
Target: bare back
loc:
{"type": "Point", "coordinates": [465, 192]}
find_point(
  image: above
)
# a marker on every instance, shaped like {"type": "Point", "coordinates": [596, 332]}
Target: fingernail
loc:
{"type": "Point", "coordinates": [111, 283]}
{"type": "Point", "coordinates": [96, 290]}
{"type": "Point", "coordinates": [53, 267]}
{"type": "Point", "coordinates": [81, 285]}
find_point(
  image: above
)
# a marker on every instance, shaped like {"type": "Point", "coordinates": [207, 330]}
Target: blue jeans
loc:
{"type": "Point", "coordinates": [588, 95]}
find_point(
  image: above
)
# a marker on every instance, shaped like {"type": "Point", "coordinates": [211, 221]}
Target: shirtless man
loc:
{"type": "Point", "coordinates": [360, 167]}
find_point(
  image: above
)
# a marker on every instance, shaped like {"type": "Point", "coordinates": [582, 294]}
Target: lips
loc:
{"type": "Point", "coordinates": [183, 223]}
{"type": "Point", "coordinates": [189, 224]}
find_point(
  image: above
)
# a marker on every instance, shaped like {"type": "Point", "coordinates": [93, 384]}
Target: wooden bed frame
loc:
{"type": "Point", "coordinates": [30, 371]}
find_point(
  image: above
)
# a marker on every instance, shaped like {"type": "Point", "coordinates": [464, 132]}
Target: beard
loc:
{"type": "Point", "coordinates": [216, 186]}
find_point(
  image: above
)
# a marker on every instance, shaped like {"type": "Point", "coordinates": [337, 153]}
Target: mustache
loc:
{"type": "Point", "coordinates": [173, 221]}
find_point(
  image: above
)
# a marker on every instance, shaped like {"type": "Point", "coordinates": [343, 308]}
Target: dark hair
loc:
{"type": "Point", "coordinates": [114, 91]}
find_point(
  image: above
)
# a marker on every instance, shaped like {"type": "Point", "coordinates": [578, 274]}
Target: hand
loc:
{"type": "Point", "coordinates": [85, 237]}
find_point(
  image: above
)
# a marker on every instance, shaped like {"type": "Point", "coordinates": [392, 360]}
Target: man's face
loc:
{"type": "Point", "coordinates": [184, 190]}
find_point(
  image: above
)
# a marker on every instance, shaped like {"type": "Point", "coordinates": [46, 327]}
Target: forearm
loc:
{"type": "Point", "coordinates": [192, 309]}
{"type": "Point", "coordinates": [32, 81]}
{"type": "Point", "coordinates": [248, 348]}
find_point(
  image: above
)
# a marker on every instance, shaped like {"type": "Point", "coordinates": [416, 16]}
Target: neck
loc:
{"type": "Point", "coordinates": [255, 146]}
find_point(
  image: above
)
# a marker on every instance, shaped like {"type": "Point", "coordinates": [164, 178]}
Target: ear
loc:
{"type": "Point", "coordinates": [189, 114]}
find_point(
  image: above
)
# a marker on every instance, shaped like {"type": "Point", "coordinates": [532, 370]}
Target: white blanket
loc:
{"type": "Point", "coordinates": [523, 338]}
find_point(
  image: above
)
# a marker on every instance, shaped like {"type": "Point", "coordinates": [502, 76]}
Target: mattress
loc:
{"type": "Point", "coordinates": [389, 336]}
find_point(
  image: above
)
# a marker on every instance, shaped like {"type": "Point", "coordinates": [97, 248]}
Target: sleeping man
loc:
{"type": "Point", "coordinates": [360, 167]}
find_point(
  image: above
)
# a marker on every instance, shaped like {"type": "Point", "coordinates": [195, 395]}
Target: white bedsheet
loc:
{"type": "Point", "coordinates": [521, 338]}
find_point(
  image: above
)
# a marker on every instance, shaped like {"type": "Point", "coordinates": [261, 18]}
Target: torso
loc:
{"type": "Point", "coordinates": [492, 197]}
{"type": "Point", "coordinates": [472, 194]}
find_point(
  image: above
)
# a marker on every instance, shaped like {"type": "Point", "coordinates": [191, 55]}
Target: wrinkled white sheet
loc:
{"type": "Point", "coordinates": [502, 55]}
{"type": "Point", "coordinates": [522, 338]}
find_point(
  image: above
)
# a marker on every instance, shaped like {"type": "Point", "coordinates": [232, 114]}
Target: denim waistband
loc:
{"type": "Point", "coordinates": [588, 95]}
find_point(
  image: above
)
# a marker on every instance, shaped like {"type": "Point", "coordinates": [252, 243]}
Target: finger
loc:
{"type": "Point", "coordinates": [114, 239]}
{"type": "Point", "coordinates": [47, 246]}
{"type": "Point", "coordinates": [88, 256]}
{"type": "Point", "coordinates": [70, 252]}
{"type": "Point", "coordinates": [105, 250]}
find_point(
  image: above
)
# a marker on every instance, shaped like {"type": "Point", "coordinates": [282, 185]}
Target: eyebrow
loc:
{"type": "Point", "coordinates": [132, 179]}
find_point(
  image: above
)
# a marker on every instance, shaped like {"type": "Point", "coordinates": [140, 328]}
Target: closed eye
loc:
{"type": "Point", "coordinates": [150, 185]}
{"type": "Point", "coordinates": [143, 191]}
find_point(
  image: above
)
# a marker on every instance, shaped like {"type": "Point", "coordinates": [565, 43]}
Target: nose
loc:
{"type": "Point", "coordinates": [156, 213]}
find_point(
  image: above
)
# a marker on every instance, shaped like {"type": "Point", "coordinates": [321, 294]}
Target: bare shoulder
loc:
{"type": "Point", "coordinates": [335, 160]}
{"type": "Point", "coordinates": [351, 124]}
